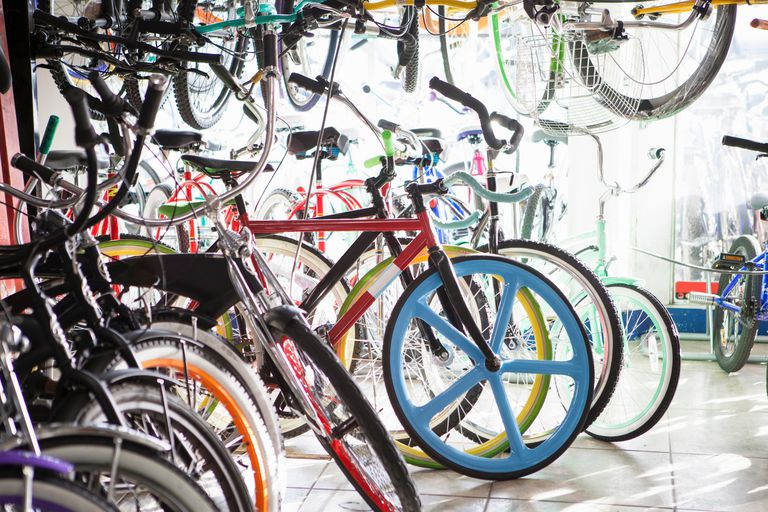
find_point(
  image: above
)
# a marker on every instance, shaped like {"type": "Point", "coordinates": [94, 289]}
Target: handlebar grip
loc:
{"type": "Point", "coordinates": [454, 93]}
{"type": "Point", "coordinates": [389, 147]}
{"type": "Point", "coordinates": [758, 23]}
{"type": "Point", "coordinates": [307, 83]}
{"type": "Point", "coordinates": [387, 125]}
{"type": "Point", "coordinates": [33, 169]}
{"type": "Point", "coordinates": [112, 105]}
{"type": "Point", "coordinates": [513, 126]}
{"type": "Point", "coordinates": [50, 132]}
{"type": "Point", "coordinates": [751, 145]}
{"type": "Point", "coordinates": [152, 101]}
{"type": "Point", "coordinates": [85, 135]}
{"type": "Point", "coordinates": [6, 80]}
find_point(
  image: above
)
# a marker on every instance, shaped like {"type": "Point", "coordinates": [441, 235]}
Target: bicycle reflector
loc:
{"type": "Point", "coordinates": [728, 261]}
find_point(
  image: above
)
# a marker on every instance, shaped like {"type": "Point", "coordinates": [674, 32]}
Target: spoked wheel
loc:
{"type": "Point", "coordinates": [176, 237]}
{"type": "Point", "coordinates": [200, 96]}
{"type": "Point", "coordinates": [669, 69]}
{"type": "Point", "coordinates": [734, 332]}
{"type": "Point", "coordinates": [651, 366]}
{"type": "Point", "coordinates": [505, 392]}
{"type": "Point", "coordinates": [311, 56]}
{"type": "Point", "coordinates": [346, 424]}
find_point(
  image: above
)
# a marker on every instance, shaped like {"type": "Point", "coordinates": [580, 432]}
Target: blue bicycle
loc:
{"type": "Point", "coordinates": [743, 298]}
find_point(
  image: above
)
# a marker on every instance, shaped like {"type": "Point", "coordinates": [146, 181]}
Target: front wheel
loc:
{"type": "Point", "coordinates": [651, 366]}
{"type": "Point", "coordinates": [504, 392]}
{"type": "Point", "coordinates": [346, 424]}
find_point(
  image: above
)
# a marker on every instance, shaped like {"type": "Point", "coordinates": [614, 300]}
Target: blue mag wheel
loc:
{"type": "Point", "coordinates": [513, 451]}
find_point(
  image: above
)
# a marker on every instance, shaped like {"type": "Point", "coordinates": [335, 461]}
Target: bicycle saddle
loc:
{"type": "Point", "coordinates": [216, 168]}
{"type": "Point", "coordinates": [177, 139]}
{"type": "Point", "coordinates": [72, 159]}
{"type": "Point", "coordinates": [300, 143]}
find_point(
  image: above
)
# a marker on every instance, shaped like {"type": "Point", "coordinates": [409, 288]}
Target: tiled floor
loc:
{"type": "Point", "coordinates": [710, 453]}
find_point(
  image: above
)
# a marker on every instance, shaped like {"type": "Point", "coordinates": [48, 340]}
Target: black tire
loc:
{"type": "Point", "coordinates": [196, 446]}
{"type": "Point", "coordinates": [94, 455]}
{"type": "Point", "coordinates": [300, 99]}
{"type": "Point", "coordinates": [203, 108]}
{"type": "Point", "coordinates": [50, 493]}
{"type": "Point", "coordinates": [386, 462]}
{"type": "Point", "coordinates": [607, 377]}
{"type": "Point", "coordinates": [732, 352]}
{"type": "Point", "coordinates": [408, 48]}
{"type": "Point", "coordinates": [679, 98]}
{"type": "Point", "coordinates": [534, 206]}
{"type": "Point", "coordinates": [61, 79]}
{"type": "Point", "coordinates": [666, 387]}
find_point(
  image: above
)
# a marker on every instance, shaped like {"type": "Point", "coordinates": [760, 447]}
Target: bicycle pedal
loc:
{"type": "Point", "coordinates": [702, 298]}
{"type": "Point", "coordinates": [729, 261]}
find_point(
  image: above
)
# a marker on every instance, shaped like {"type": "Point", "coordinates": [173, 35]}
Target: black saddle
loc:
{"type": "Point", "coordinates": [72, 160]}
{"type": "Point", "coordinates": [216, 168]}
{"type": "Point", "coordinates": [300, 143]}
{"type": "Point", "coordinates": [177, 139]}
{"type": "Point", "coordinates": [431, 139]}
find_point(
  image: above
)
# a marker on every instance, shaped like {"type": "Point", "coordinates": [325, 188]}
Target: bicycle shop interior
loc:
{"type": "Point", "coordinates": [334, 255]}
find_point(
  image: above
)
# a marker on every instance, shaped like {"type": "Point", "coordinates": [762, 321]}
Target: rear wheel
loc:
{"type": "Point", "coordinates": [49, 494]}
{"type": "Point", "coordinates": [651, 366]}
{"type": "Point", "coordinates": [734, 333]}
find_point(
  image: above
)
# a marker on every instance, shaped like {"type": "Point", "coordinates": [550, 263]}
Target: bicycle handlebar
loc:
{"type": "Point", "coordinates": [307, 83]}
{"type": "Point", "coordinates": [454, 93]}
{"type": "Point", "coordinates": [747, 144]}
{"type": "Point", "coordinates": [497, 197]}
{"type": "Point", "coordinates": [85, 135]}
{"type": "Point", "coordinates": [111, 104]}
{"type": "Point", "coordinates": [758, 23]}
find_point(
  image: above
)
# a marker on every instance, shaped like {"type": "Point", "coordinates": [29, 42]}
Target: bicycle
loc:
{"type": "Point", "coordinates": [741, 298]}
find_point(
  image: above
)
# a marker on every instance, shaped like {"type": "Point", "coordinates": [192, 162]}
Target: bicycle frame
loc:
{"type": "Point", "coordinates": [685, 7]}
{"type": "Point", "coordinates": [757, 264]}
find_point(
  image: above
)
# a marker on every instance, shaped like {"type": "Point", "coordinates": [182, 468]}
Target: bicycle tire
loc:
{"type": "Point", "coordinates": [207, 115]}
{"type": "Point", "coordinates": [49, 493]}
{"type": "Point", "coordinates": [532, 207]}
{"type": "Point", "coordinates": [217, 368]}
{"type": "Point", "coordinates": [303, 104]}
{"type": "Point", "coordinates": [612, 345]}
{"type": "Point", "coordinates": [530, 456]}
{"type": "Point", "coordinates": [408, 48]}
{"type": "Point", "coordinates": [145, 406]}
{"type": "Point", "coordinates": [748, 291]}
{"type": "Point", "coordinates": [277, 198]}
{"type": "Point", "coordinates": [613, 425]}
{"type": "Point", "coordinates": [138, 464]}
{"type": "Point", "coordinates": [674, 101]}
{"type": "Point", "coordinates": [370, 436]}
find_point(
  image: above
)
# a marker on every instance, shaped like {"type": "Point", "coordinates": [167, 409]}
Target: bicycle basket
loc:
{"type": "Point", "coordinates": [573, 86]}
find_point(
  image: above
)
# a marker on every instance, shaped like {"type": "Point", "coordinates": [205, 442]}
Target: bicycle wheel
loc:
{"type": "Point", "coordinates": [537, 215]}
{"type": "Point", "coordinates": [201, 97]}
{"type": "Point", "coordinates": [310, 56]}
{"type": "Point", "coordinates": [278, 204]}
{"type": "Point", "coordinates": [408, 48]}
{"type": "Point", "coordinates": [312, 266]}
{"type": "Point", "coordinates": [126, 473]}
{"type": "Point", "coordinates": [734, 332]}
{"type": "Point", "coordinates": [226, 392]}
{"type": "Point", "coordinates": [559, 419]}
{"type": "Point", "coordinates": [592, 302]}
{"type": "Point", "coordinates": [195, 448]}
{"type": "Point", "coordinates": [49, 494]}
{"type": "Point", "coordinates": [668, 81]}
{"type": "Point", "coordinates": [347, 426]}
{"type": "Point", "coordinates": [651, 366]}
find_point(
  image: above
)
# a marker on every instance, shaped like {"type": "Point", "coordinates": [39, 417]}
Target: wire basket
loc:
{"type": "Point", "coordinates": [571, 84]}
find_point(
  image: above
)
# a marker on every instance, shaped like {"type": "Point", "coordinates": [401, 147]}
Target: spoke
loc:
{"type": "Point", "coordinates": [446, 329]}
{"type": "Point", "coordinates": [454, 392]}
{"type": "Point", "coordinates": [541, 367]}
{"type": "Point", "coordinates": [503, 315]}
{"type": "Point", "coordinates": [507, 417]}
